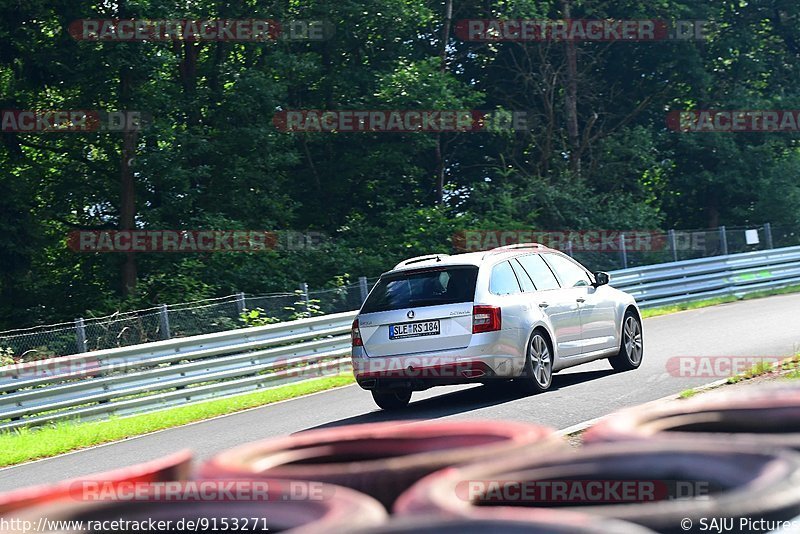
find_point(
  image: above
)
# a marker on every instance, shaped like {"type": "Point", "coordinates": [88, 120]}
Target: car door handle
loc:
{"type": "Point", "coordinates": [580, 299]}
{"type": "Point", "coordinates": [543, 305]}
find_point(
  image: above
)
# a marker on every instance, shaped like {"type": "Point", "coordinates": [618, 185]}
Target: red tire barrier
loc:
{"type": "Point", "coordinates": [659, 485]}
{"type": "Point", "coordinates": [546, 522]}
{"type": "Point", "coordinates": [380, 459]}
{"type": "Point", "coordinates": [207, 506]}
{"type": "Point", "coordinates": [766, 416]}
{"type": "Point", "coordinates": [173, 467]}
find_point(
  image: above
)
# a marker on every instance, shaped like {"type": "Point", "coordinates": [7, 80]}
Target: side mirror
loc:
{"type": "Point", "coordinates": [601, 278]}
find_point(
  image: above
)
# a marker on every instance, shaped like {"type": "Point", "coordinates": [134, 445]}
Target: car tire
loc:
{"type": "Point", "coordinates": [391, 399]}
{"type": "Point", "coordinates": [284, 506]}
{"type": "Point", "coordinates": [631, 347]}
{"type": "Point", "coordinates": [766, 416]}
{"type": "Point", "coordinates": [682, 481]}
{"type": "Point", "coordinates": [547, 522]}
{"type": "Point", "coordinates": [379, 459]}
{"type": "Point", "coordinates": [537, 376]}
{"type": "Point", "coordinates": [175, 467]}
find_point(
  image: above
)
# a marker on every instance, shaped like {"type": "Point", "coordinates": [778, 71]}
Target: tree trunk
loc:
{"type": "Point", "coordinates": [571, 96]}
{"type": "Point", "coordinates": [127, 210]}
{"type": "Point", "coordinates": [440, 161]}
{"type": "Point", "coordinates": [440, 172]}
{"type": "Point", "coordinates": [448, 20]}
{"type": "Point", "coordinates": [127, 190]}
{"type": "Point", "coordinates": [712, 209]}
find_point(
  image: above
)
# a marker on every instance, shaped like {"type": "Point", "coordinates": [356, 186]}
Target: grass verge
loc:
{"type": "Point", "coordinates": [788, 369]}
{"type": "Point", "coordinates": [791, 368]}
{"type": "Point", "coordinates": [758, 369]}
{"type": "Point", "coordinates": [25, 444]}
{"type": "Point", "coordinates": [655, 312]}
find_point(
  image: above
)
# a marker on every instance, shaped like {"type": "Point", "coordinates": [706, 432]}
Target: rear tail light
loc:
{"type": "Point", "coordinates": [355, 335]}
{"type": "Point", "coordinates": [485, 319]}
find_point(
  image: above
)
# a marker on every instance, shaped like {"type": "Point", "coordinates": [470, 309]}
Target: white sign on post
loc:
{"type": "Point", "coordinates": [751, 236]}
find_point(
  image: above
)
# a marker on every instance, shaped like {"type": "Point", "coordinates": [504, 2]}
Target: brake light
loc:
{"type": "Point", "coordinates": [485, 319]}
{"type": "Point", "coordinates": [355, 335]}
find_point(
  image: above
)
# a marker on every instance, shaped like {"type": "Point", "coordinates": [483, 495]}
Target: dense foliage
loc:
{"type": "Point", "coordinates": [212, 159]}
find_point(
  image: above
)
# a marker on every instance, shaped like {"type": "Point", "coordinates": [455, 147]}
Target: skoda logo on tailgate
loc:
{"type": "Point", "coordinates": [410, 314]}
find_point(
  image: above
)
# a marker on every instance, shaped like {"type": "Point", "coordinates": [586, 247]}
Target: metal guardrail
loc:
{"type": "Point", "coordinates": [736, 274]}
{"type": "Point", "coordinates": [153, 376]}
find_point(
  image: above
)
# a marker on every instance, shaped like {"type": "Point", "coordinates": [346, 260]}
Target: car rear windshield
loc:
{"type": "Point", "coordinates": [416, 289]}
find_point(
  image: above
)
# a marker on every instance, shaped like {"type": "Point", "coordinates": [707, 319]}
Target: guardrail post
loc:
{"type": "Point", "coordinates": [163, 318]}
{"type": "Point", "coordinates": [240, 304]}
{"type": "Point", "coordinates": [673, 245]}
{"type": "Point", "coordinates": [569, 248]}
{"type": "Point", "coordinates": [80, 334]}
{"type": "Point", "coordinates": [768, 234]}
{"type": "Point", "coordinates": [362, 282]}
{"type": "Point", "coordinates": [623, 250]}
{"type": "Point", "coordinates": [723, 240]}
{"type": "Point", "coordinates": [306, 300]}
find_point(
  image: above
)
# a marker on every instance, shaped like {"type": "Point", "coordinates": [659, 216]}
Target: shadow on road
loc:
{"type": "Point", "coordinates": [571, 379]}
{"type": "Point", "coordinates": [463, 401]}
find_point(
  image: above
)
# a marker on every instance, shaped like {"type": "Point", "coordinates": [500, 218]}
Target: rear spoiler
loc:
{"type": "Point", "coordinates": [420, 259]}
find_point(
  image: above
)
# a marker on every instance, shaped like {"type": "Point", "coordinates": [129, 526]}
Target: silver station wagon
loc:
{"type": "Point", "coordinates": [520, 312]}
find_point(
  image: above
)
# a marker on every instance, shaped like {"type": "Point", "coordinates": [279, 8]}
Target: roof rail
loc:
{"type": "Point", "coordinates": [419, 259]}
{"type": "Point", "coordinates": [517, 246]}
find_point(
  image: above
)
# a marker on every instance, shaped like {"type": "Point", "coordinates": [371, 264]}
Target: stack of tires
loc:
{"type": "Point", "coordinates": [723, 462]}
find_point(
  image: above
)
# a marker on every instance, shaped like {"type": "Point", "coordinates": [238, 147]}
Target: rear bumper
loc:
{"type": "Point", "coordinates": [478, 363]}
{"type": "Point", "coordinates": [420, 378]}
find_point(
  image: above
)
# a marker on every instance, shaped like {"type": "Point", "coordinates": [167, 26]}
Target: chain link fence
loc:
{"type": "Point", "coordinates": [177, 320]}
{"type": "Point", "coordinates": [638, 249]}
{"type": "Point", "coordinates": [239, 311]}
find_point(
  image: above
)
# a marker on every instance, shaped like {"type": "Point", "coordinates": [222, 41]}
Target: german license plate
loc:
{"type": "Point", "coordinates": [416, 329]}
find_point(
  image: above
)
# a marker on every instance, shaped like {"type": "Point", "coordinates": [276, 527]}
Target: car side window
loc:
{"type": "Point", "coordinates": [539, 272]}
{"type": "Point", "coordinates": [571, 275]}
{"type": "Point", "coordinates": [503, 281]}
{"type": "Point", "coordinates": [522, 276]}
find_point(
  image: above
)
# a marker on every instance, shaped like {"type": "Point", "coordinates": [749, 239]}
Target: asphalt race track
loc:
{"type": "Point", "coordinates": [763, 327]}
